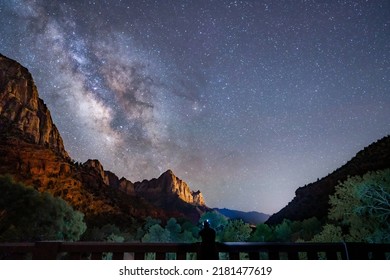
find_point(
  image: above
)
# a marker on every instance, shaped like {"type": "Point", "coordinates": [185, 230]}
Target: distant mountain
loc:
{"type": "Point", "coordinates": [32, 151]}
{"type": "Point", "coordinates": [172, 194]}
{"type": "Point", "coordinates": [252, 217]}
{"type": "Point", "coordinates": [169, 185]}
{"type": "Point", "coordinates": [313, 200]}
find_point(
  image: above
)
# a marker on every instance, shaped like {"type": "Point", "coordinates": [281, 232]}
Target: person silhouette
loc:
{"type": "Point", "coordinates": [208, 250]}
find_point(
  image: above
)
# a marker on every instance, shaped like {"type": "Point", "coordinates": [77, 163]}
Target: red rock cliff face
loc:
{"type": "Point", "coordinates": [109, 178]}
{"type": "Point", "coordinates": [169, 184]}
{"type": "Point", "coordinates": [21, 109]}
{"type": "Point", "coordinates": [32, 151]}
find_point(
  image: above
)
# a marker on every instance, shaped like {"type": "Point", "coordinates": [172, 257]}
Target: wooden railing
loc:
{"type": "Point", "coordinates": [48, 250]}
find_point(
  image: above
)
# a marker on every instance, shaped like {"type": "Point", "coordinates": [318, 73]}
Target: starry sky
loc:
{"type": "Point", "coordinates": [244, 100]}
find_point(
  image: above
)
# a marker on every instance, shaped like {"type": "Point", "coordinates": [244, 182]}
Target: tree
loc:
{"type": "Point", "coordinates": [310, 227]}
{"type": "Point", "coordinates": [191, 228]}
{"type": "Point", "coordinates": [329, 233]}
{"type": "Point", "coordinates": [263, 233]}
{"type": "Point", "coordinates": [217, 221]}
{"type": "Point", "coordinates": [156, 233]}
{"type": "Point", "coordinates": [109, 232]}
{"type": "Point", "coordinates": [361, 208]}
{"type": "Point", "coordinates": [236, 231]}
{"type": "Point", "coordinates": [174, 230]}
{"type": "Point", "coordinates": [283, 231]}
{"type": "Point", "coordinates": [29, 215]}
{"type": "Point", "coordinates": [305, 230]}
{"type": "Point", "coordinates": [149, 222]}
{"type": "Point", "coordinates": [188, 237]}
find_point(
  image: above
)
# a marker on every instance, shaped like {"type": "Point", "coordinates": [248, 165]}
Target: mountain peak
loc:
{"type": "Point", "coordinates": [170, 184]}
{"type": "Point", "coordinates": [22, 112]}
{"type": "Point", "coordinates": [169, 172]}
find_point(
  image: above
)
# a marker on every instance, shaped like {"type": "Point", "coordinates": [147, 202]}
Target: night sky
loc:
{"type": "Point", "coordinates": [244, 100]}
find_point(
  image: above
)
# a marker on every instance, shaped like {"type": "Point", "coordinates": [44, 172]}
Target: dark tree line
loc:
{"type": "Point", "coordinates": [359, 211]}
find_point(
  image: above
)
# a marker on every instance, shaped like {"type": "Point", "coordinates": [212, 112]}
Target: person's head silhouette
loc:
{"type": "Point", "coordinates": [208, 250]}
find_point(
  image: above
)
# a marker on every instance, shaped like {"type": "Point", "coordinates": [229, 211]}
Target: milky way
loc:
{"type": "Point", "coordinates": [244, 100]}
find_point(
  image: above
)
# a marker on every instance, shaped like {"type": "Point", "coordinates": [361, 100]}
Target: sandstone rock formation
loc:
{"type": "Point", "coordinates": [170, 185]}
{"type": "Point", "coordinates": [21, 109]}
{"type": "Point", "coordinates": [32, 151]}
{"type": "Point", "coordinates": [93, 165]}
{"type": "Point", "coordinates": [172, 194]}
{"type": "Point", "coordinates": [126, 186]}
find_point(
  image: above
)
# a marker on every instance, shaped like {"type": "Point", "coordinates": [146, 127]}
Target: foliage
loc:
{"type": "Point", "coordinates": [283, 231]}
{"type": "Point", "coordinates": [329, 233]}
{"type": "Point", "coordinates": [149, 222]}
{"type": "Point", "coordinates": [28, 215]}
{"type": "Point", "coordinates": [304, 230]}
{"type": "Point", "coordinates": [287, 231]}
{"type": "Point", "coordinates": [191, 229]}
{"type": "Point", "coordinates": [263, 233]}
{"type": "Point", "coordinates": [172, 232]}
{"type": "Point", "coordinates": [174, 229]}
{"type": "Point", "coordinates": [109, 233]}
{"type": "Point", "coordinates": [217, 221]}
{"type": "Point", "coordinates": [157, 233]}
{"type": "Point", "coordinates": [360, 207]}
{"type": "Point", "coordinates": [236, 231]}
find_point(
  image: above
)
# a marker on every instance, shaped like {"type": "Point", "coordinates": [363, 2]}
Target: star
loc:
{"type": "Point", "coordinates": [244, 100]}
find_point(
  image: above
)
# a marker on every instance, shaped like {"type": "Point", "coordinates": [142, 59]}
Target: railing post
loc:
{"type": "Point", "coordinates": [234, 255]}
{"type": "Point", "coordinates": [357, 251]}
{"type": "Point", "coordinates": [273, 255]}
{"type": "Point", "coordinates": [117, 256]}
{"type": "Point", "coordinates": [254, 255]}
{"type": "Point", "coordinates": [46, 250]}
{"type": "Point", "coordinates": [139, 255]}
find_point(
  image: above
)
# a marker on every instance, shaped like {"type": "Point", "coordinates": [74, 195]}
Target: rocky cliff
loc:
{"type": "Point", "coordinates": [173, 194]}
{"type": "Point", "coordinates": [313, 200]}
{"type": "Point", "coordinates": [170, 185]}
{"type": "Point", "coordinates": [22, 111]}
{"type": "Point", "coordinates": [32, 151]}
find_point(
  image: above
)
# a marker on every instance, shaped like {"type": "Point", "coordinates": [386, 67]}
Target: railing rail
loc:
{"type": "Point", "coordinates": [48, 250]}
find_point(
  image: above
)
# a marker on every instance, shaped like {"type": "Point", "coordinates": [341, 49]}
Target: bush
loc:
{"type": "Point", "coordinates": [28, 215]}
{"type": "Point", "coordinates": [360, 209]}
